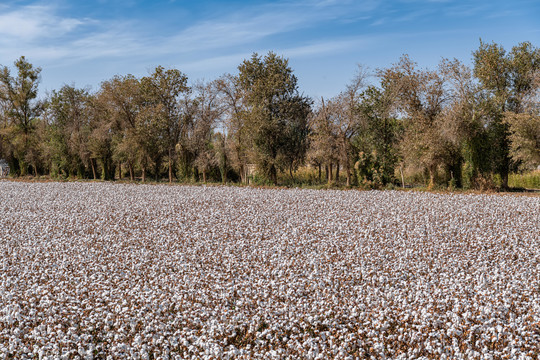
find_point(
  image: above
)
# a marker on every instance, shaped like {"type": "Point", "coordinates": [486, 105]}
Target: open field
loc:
{"type": "Point", "coordinates": [139, 272]}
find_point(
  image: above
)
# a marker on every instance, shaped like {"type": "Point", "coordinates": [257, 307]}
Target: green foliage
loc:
{"type": "Point", "coordinates": [67, 140]}
{"type": "Point", "coordinates": [162, 92]}
{"type": "Point", "coordinates": [381, 135]}
{"type": "Point", "coordinates": [524, 138]}
{"type": "Point", "coordinates": [370, 170]}
{"type": "Point", "coordinates": [508, 80]}
{"type": "Point", "coordinates": [529, 180]}
{"type": "Point", "coordinates": [446, 128]}
{"type": "Point", "coordinates": [277, 114]}
{"type": "Point", "coordinates": [18, 94]}
{"type": "Point", "coordinates": [419, 96]}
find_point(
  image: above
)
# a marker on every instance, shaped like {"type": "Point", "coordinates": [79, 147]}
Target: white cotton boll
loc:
{"type": "Point", "coordinates": [89, 353]}
{"type": "Point", "coordinates": [149, 265]}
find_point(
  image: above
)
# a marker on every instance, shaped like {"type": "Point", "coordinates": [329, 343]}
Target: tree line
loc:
{"type": "Point", "coordinates": [452, 126]}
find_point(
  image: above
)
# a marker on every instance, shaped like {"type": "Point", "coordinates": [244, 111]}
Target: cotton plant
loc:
{"type": "Point", "coordinates": [100, 270]}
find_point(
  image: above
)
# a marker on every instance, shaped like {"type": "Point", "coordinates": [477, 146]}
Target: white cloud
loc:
{"type": "Point", "coordinates": [39, 31]}
{"type": "Point", "coordinates": [33, 22]}
{"type": "Point", "coordinates": [230, 62]}
{"type": "Point", "coordinates": [64, 45]}
{"type": "Point", "coordinates": [226, 63]}
{"type": "Point", "coordinates": [325, 47]}
{"type": "Point", "coordinates": [256, 23]}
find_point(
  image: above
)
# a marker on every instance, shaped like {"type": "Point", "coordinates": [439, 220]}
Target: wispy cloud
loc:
{"type": "Point", "coordinates": [33, 22]}
{"type": "Point", "coordinates": [218, 34]}
{"type": "Point", "coordinates": [222, 64]}
{"type": "Point", "coordinates": [256, 23]}
{"type": "Point", "coordinates": [67, 38]}
{"type": "Point", "coordinates": [310, 50]}
{"type": "Point", "coordinates": [326, 47]}
{"type": "Point", "coordinates": [205, 41]}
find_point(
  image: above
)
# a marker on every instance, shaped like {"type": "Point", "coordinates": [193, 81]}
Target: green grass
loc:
{"type": "Point", "coordinates": [530, 180]}
{"type": "Point", "coordinates": [308, 178]}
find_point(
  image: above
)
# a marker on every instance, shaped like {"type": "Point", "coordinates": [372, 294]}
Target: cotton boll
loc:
{"type": "Point", "coordinates": [181, 272]}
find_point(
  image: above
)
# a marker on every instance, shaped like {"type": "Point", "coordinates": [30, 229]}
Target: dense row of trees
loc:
{"type": "Point", "coordinates": [452, 125]}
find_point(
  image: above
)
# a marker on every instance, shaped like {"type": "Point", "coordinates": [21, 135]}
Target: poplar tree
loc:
{"type": "Point", "coordinates": [164, 90]}
{"type": "Point", "coordinates": [277, 113]}
{"type": "Point", "coordinates": [506, 80]}
{"type": "Point", "coordinates": [19, 94]}
{"type": "Point", "coordinates": [69, 130]}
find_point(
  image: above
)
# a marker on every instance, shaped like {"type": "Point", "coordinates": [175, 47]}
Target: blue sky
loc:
{"type": "Point", "coordinates": [82, 43]}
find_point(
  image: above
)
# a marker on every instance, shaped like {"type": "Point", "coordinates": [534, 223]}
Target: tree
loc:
{"type": "Point", "coordinates": [275, 108]}
{"type": "Point", "coordinates": [221, 155]}
{"type": "Point", "coordinates": [236, 143]}
{"type": "Point", "coordinates": [464, 120]}
{"type": "Point", "coordinates": [102, 133]}
{"type": "Point", "coordinates": [322, 141]}
{"type": "Point", "coordinates": [524, 138]}
{"type": "Point", "coordinates": [420, 96]}
{"type": "Point", "coordinates": [208, 110]}
{"type": "Point", "coordinates": [380, 134]}
{"type": "Point", "coordinates": [297, 111]}
{"type": "Point", "coordinates": [151, 128]}
{"type": "Point", "coordinates": [506, 80]}
{"type": "Point", "coordinates": [123, 97]}
{"type": "Point", "coordinates": [163, 89]}
{"type": "Point", "coordinates": [6, 146]}
{"type": "Point", "coordinates": [19, 95]}
{"type": "Point", "coordinates": [347, 120]}
{"type": "Point", "coordinates": [524, 127]}
{"type": "Point", "coordinates": [69, 131]}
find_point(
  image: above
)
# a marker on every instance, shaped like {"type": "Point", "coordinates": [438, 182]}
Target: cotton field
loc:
{"type": "Point", "coordinates": [116, 271]}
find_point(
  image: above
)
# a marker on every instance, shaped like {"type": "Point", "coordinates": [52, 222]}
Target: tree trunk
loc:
{"type": "Point", "coordinates": [337, 173]}
{"type": "Point", "coordinates": [143, 174]}
{"type": "Point", "coordinates": [455, 172]}
{"type": "Point", "coordinates": [22, 167]}
{"type": "Point", "coordinates": [242, 174]}
{"type": "Point", "coordinates": [119, 170]}
{"type": "Point", "coordinates": [224, 176]}
{"type": "Point", "coordinates": [291, 172]}
{"type": "Point", "coordinates": [93, 168]}
{"type": "Point", "coordinates": [170, 166]}
{"type": "Point", "coordinates": [320, 172]}
{"type": "Point", "coordinates": [157, 166]}
{"type": "Point", "coordinates": [505, 180]}
{"type": "Point", "coordinates": [103, 169]}
{"type": "Point", "coordinates": [329, 173]}
{"type": "Point", "coordinates": [112, 170]}
{"type": "Point", "coordinates": [273, 174]}
{"type": "Point", "coordinates": [348, 173]}
{"type": "Point", "coordinates": [130, 171]}
{"type": "Point", "coordinates": [204, 176]}
{"type": "Point", "coordinates": [432, 170]}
